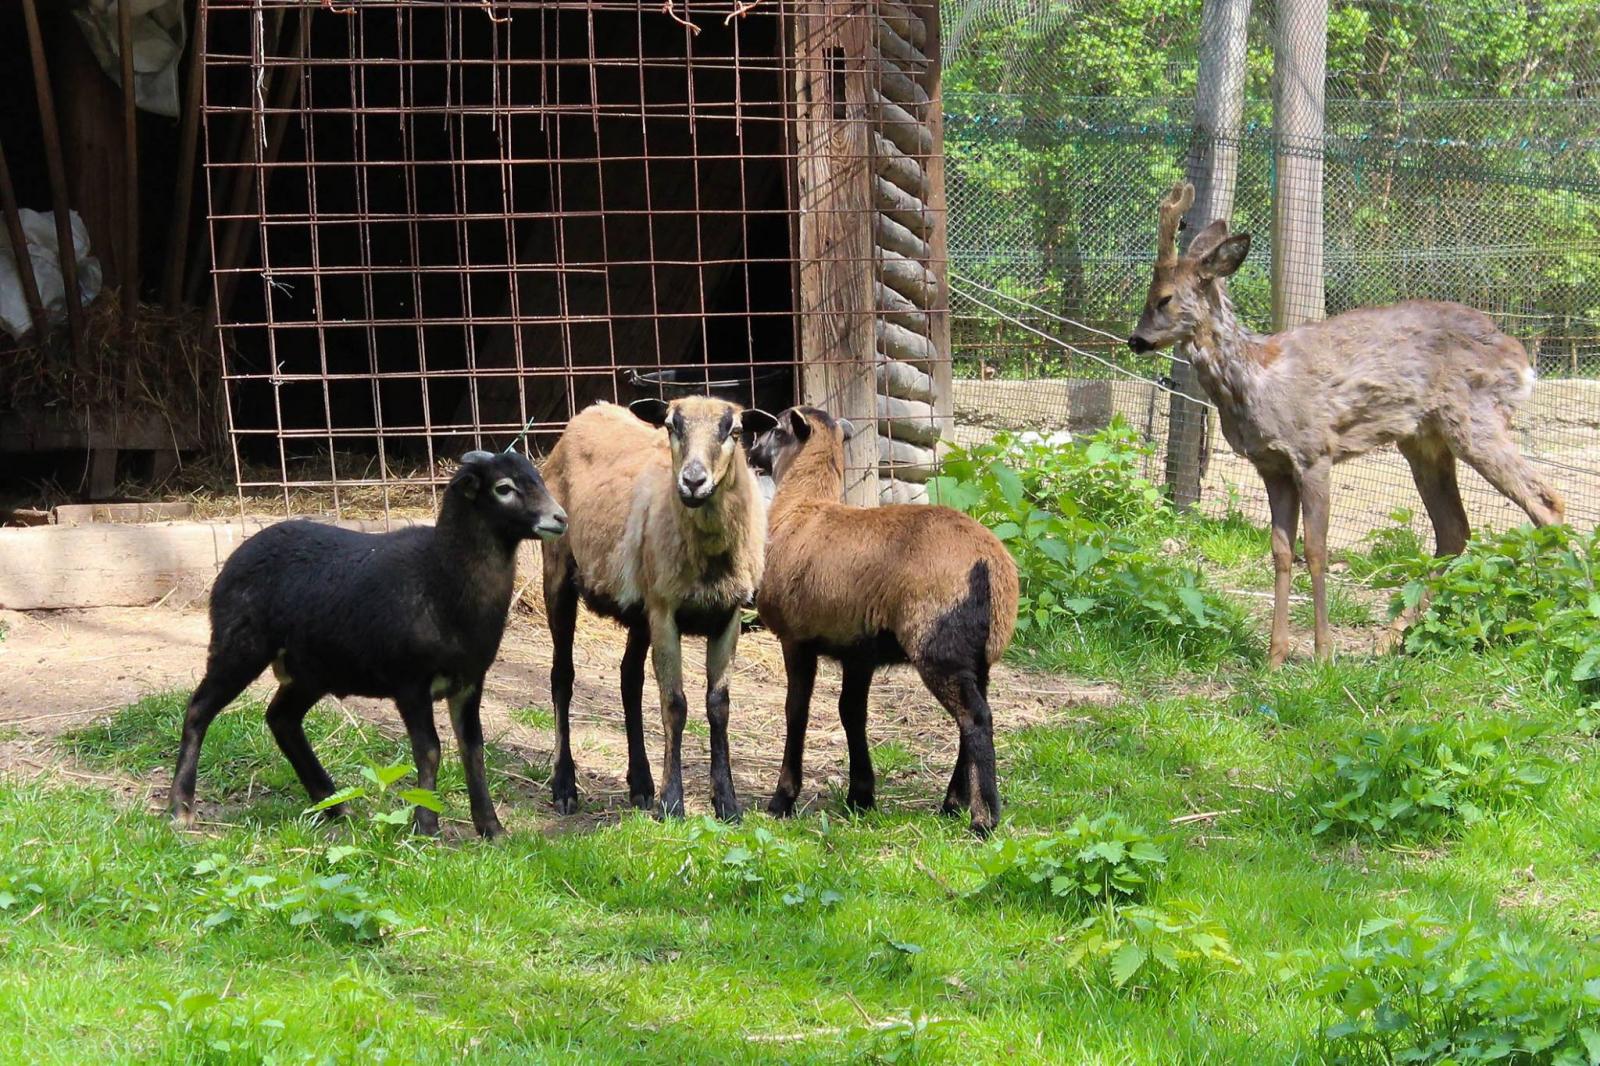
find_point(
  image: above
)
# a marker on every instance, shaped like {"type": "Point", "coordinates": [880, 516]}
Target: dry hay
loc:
{"type": "Point", "coordinates": [167, 370]}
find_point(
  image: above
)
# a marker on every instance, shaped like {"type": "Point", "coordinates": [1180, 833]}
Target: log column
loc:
{"type": "Point", "coordinates": [912, 329]}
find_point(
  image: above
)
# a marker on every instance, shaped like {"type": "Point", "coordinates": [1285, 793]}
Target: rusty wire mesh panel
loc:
{"type": "Point", "coordinates": [444, 225]}
{"type": "Point", "coordinates": [1458, 160]}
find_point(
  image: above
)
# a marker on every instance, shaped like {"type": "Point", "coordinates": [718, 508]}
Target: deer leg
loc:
{"type": "Point", "coordinates": [1284, 498]}
{"type": "Point", "coordinates": [1314, 491]}
{"type": "Point", "coordinates": [1488, 448]}
{"type": "Point", "coordinates": [1433, 468]}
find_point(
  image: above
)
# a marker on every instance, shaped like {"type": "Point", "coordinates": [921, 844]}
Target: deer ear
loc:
{"type": "Point", "coordinates": [1226, 257]}
{"type": "Point", "coordinates": [651, 411]}
{"type": "Point", "coordinates": [1208, 238]}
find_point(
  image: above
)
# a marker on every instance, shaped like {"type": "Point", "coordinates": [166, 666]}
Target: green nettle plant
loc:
{"type": "Point", "coordinates": [1530, 590]}
{"type": "Point", "coordinates": [227, 893]}
{"type": "Point", "coordinates": [1082, 524]}
{"type": "Point", "coordinates": [1106, 868]}
{"type": "Point", "coordinates": [379, 780]}
{"type": "Point", "coordinates": [1413, 989]}
{"type": "Point", "coordinates": [1107, 860]}
{"type": "Point", "coordinates": [1424, 780]}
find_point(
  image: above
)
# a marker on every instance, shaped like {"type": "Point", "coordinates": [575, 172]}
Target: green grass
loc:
{"type": "Point", "coordinates": [541, 718]}
{"type": "Point", "coordinates": [826, 939]}
{"type": "Point", "coordinates": [1346, 606]}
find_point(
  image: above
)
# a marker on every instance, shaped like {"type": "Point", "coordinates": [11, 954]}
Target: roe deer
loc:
{"type": "Point", "coordinates": [1439, 380]}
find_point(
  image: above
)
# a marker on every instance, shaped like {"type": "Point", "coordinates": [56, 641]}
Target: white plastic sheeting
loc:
{"type": "Point", "coordinates": [40, 230]}
{"type": "Point", "coordinates": [158, 36]}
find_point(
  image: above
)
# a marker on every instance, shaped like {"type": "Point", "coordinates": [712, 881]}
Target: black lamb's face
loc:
{"type": "Point", "coordinates": [510, 493]}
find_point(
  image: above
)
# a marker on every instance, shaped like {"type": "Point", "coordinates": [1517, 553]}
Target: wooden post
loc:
{"type": "Point", "coordinates": [938, 243]}
{"type": "Point", "coordinates": [19, 248]}
{"type": "Point", "coordinates": [130, 147]}
{"type": "Point", "coordinates": [1212, 168]}
{"type": "Point", "coordinates": [183, 192]}
{"type": "Point", "coordinates": [1300, 58]}
{"type": "Point", "coordinates": [67, 251]}
{"type": "Point", "coordinates": [834, 185]}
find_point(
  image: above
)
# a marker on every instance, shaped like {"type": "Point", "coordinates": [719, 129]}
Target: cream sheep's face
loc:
{"type": "Point", "coordinates": [704, 435]}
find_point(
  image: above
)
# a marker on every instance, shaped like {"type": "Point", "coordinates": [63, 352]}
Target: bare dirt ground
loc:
{"type": "Point", "coordinates": [62, 670]}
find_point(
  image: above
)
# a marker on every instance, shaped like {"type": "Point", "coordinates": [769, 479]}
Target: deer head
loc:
{"type": "Point", "coordinates": [1184, 288]}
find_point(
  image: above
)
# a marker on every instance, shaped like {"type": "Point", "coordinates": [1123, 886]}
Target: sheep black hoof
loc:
{"type": "Point", "coordinates": [860, 801]}
{"type": "Point", "coordinates": [425, 826]}
{"type": "Point", "coordinates": [981, 830]}
{"type": "Point", "coordinates": [337, 813]}
{"type": "Point", "coordinates": [952, 809]}
{"type": "Point", "coordinates": [642, 801]}
{"type": "Point", "coordinates": [733, 813]}
{"type": "Point", "coordinates": [670, 808]}
{"type": "Point", "coordinates": [491, 830]}
{"type": "Point", "coordinates": [566, 804]}
{"type": "Point", "coordinates": [781, 806]}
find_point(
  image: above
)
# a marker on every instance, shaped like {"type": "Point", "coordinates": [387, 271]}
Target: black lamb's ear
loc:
{"type": "Point", "coordinates": [799, 424]}
{"type": "Point", "coordinates": [755, 422]}
{"type": "Point", "coordinates": [477, 457]}
{"type": "Point", "coordinates": [652, 411]}
{"type": "Point", "coordinates": [468, 477]}
{"type": "Point", "coordinates": [849, 428]}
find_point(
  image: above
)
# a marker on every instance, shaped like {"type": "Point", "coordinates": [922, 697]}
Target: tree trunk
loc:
{"type": "Point", "coordinates": [1301, 53]}
{"type": "Point", "coordinates": [1212, 168]}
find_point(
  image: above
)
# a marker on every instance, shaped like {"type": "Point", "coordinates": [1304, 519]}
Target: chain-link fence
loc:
{"type": "Point", "coordinates": [1452, 152]}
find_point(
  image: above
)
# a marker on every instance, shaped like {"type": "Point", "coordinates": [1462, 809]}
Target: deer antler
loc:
{"type": "Point", "coordinates": [1171, 213]}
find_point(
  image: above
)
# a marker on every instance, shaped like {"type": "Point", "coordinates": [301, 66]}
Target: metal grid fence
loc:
{"type": "Point", "coordinates": [452, 224]}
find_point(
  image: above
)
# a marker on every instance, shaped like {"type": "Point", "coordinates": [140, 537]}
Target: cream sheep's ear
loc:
{"type": "Point", "coordinates": [755, 422]}
{"type": "Point", "coordinates": [652, 411]}
{"type": "Point", "coordinates": [849, 428]}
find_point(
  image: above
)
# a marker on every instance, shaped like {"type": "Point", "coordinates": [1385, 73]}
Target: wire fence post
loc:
{"type": "Point", "coordinates": [1299, 92]}
{"type": "Point", "coordinates": [1212, 168]}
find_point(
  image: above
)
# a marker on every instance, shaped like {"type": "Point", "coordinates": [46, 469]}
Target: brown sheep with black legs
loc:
{"type": "Point", "coordinates": [873, 586]}
{"type": "Point", "coordinates": [666, 534]}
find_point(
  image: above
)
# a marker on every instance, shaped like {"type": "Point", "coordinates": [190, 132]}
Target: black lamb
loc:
{"type": "Point", "coordinates": [413, 615]}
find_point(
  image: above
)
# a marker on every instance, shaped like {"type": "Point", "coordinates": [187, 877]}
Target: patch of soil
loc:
{"type": "Point", "coordinates": [61, 670]}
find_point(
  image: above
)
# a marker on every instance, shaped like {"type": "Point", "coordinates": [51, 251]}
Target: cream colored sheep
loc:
{"type": "Point", "coordinates": [666, 534]}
